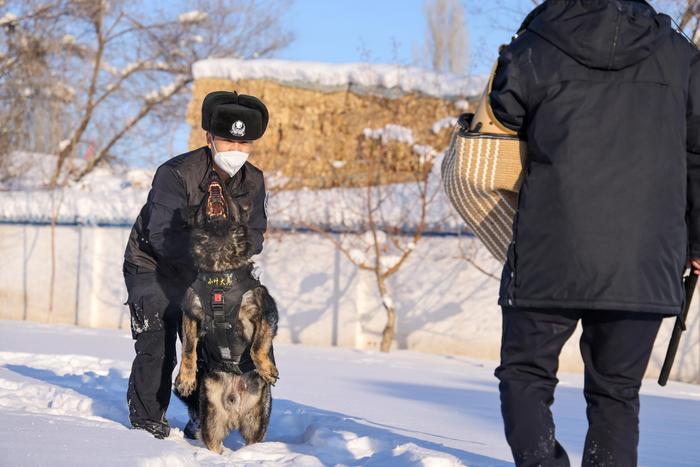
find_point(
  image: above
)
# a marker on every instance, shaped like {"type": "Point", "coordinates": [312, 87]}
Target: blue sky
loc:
{"type": "Point", "coordinates": [340, 31]}
{"type": "Point", "coordinates": [388, 31]}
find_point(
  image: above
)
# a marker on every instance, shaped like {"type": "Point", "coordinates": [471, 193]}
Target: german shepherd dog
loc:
{"type": "Point", "coordinates": [221, 401]}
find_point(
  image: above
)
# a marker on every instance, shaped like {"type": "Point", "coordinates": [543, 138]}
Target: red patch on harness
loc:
{"type": "Point", "coordinates": [218, 298]}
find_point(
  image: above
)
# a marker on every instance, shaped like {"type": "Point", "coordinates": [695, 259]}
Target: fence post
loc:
{"type": "Point", "coordinates": [336, 297]}
{"type": "Point", "coordinates": [79, 267]}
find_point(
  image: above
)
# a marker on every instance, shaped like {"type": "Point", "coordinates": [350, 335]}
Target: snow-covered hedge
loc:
{"type": "Point", "coordinates": [114, 195]}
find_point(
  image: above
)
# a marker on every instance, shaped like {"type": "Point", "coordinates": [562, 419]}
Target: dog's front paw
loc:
{"type": "Point", "coordinates": [185, 383]}
{"type": "Point", "coordinates": [269, 373]}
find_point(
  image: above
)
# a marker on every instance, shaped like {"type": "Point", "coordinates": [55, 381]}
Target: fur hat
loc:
{"type": "Point", "coordinates": [232, 116]}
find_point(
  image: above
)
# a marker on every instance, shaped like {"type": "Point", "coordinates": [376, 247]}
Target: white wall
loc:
{"type": "Point", "coordinates": [89, 288]}
{"type": "Point", "coordinates": [444, 304]}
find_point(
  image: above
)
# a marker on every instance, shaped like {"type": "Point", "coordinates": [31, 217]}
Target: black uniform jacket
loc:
{"type": "Point", "coordinates": [159, 240]}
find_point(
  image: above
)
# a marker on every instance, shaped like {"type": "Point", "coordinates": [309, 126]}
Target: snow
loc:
{"type": "Point", "coordinates": [62, 91]}
{"type": "Point", "coordinates": [131, 67]}
{"type": "Point", "coordinates": [406, 79]}
{"type": "Point", "coordinates": [27, 174]}
{"type": "Point", "coordinates": [62, 403]}
{"type": "Point", "coordinates": [68, 39]}
{"type": "Point", "coordinates": [390, 132]}
{"type": "Point", "coordinates": [8, 18]}
{"type": "Point", "coordinates": [401, 134]}
{"type": "Point", "coordinates": [388, 261]}
{"type": "Point", "coordinates": [388, 302]}
{"type": "Point", "coordinates": [462, 105]}
{"type": "Point", "coordinates": [63, 144]}
{"type": "Point", "coordinates": [369, 236]}
{"type": "Point", "coordinates": [425, 152]}
{"type": "Point", "coordinates": [358, 256]}
{"type": "Point", "coordinates": [109, 68]}
{"type": "Point", "coordinates": [341, 208]}
{"type": "Point", "coordinates": [165, 90]}
{"type": "Point", "coordinates": [192, 17]}
{"type": "Point", "coordinates": [117, 193]}
{"type": "Point", "coordinates": [444, 123]}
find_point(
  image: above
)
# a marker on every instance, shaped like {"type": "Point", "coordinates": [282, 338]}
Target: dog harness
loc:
{"type": "Point", "coordinates": [221, 294]}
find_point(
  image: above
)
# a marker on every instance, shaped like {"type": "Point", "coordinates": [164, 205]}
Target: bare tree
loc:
{"type": "Point", "coordinates": [79, 76]}
{"type": "Point", "coordinates": [380, 243]}
{"type": "Point", "coordinates": [471, 253]}
{"type": "Point", "coordinates": [447, 41]}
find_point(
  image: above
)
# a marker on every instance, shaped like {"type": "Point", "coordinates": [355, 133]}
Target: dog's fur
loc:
{"type": "Point", "coordinates": [221, 401]}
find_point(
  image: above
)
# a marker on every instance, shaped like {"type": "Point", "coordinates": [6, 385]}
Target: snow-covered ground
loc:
{"type": "Point", "coordinates": [62, 403]}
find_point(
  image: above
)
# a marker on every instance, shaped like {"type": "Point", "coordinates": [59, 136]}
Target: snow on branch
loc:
{"type": "Point", "coordinates": [166, 90]}
{"type": "Point", "coordinates": [8, 19]}
{"type": "Point", "coordinates": [426, 153]}
{"type": "Point", "coordinates": [193, 17]}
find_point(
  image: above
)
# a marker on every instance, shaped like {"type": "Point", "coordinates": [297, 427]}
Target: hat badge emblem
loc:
{"type": "Point", "coordinates": [238, 128]}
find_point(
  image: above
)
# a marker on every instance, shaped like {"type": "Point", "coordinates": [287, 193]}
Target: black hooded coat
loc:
{"type": "Point", "coordinates": [607, 95]}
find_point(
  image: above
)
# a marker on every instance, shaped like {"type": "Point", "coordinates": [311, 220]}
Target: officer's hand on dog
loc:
{"type": "Point", "coordinates": [694, 263]}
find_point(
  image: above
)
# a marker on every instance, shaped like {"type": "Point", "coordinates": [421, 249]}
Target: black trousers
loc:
{"type": "Point", "coordinates": [615, 346]}
{"type": "Point", "coordinates": [155, 323]}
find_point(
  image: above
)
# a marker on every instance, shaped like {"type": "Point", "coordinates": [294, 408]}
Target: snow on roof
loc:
{"type": "Point", "coordinates": [327, 75]}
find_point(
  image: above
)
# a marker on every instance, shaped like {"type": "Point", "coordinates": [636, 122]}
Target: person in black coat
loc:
{"type": "Point", "coordinates": [158, 266]}
{"type": "Point", "coordinates": [607, 95]}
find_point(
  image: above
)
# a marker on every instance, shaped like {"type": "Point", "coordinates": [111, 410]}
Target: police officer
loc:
{"type": "Point", "coordinates": [158, 266]}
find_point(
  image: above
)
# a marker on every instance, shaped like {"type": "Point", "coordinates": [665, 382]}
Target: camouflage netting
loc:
{"type": "Point", "coordinates": [317, 137]}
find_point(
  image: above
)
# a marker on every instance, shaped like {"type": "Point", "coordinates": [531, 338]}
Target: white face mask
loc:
{"type": "Point", "coordinates": [230, 161]}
